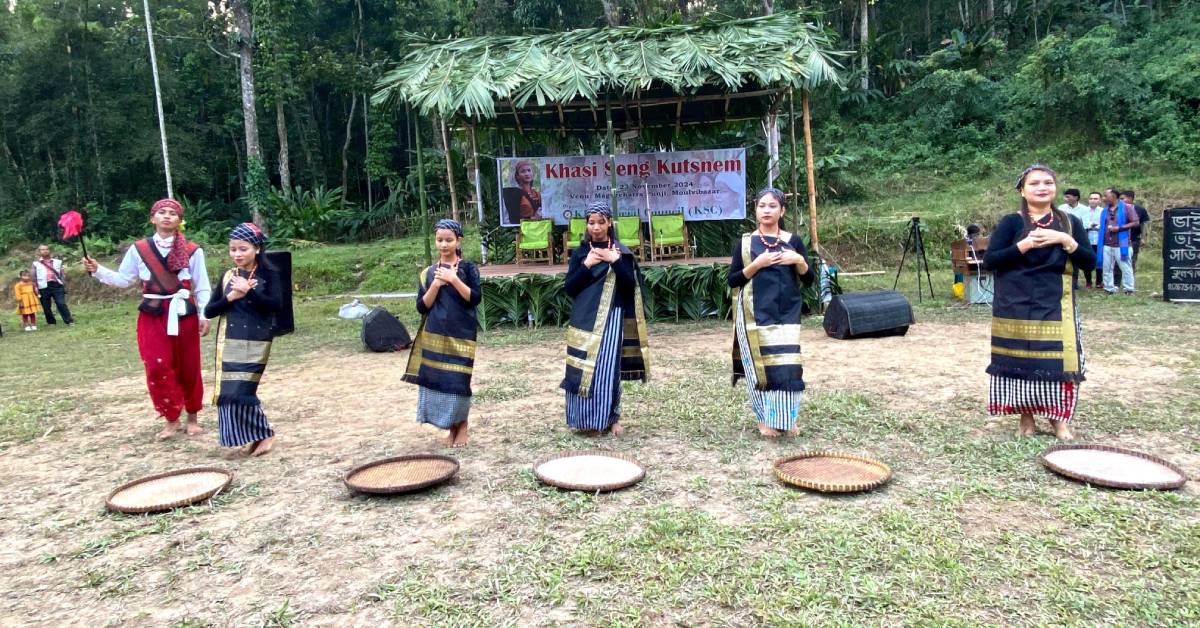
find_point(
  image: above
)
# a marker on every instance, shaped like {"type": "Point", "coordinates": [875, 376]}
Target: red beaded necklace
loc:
{"type": "Point", "coordinates": [1049, 218]}
{"type": "Point", "coordinates": [770, 247]}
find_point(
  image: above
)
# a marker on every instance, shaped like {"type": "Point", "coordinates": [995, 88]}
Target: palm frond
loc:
{"type": "Point", "coordinates": [470, 76]}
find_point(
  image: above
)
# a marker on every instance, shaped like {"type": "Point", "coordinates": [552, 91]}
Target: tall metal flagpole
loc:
{"type": "Point", "coordinates": [162, 124]}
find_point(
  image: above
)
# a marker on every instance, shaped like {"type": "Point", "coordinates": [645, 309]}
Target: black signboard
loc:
{"type": "Point", "coordinates": [1181, 254]}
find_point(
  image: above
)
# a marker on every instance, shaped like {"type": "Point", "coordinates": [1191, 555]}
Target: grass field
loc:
{"type": "Point", "coordinates": [972, 530]}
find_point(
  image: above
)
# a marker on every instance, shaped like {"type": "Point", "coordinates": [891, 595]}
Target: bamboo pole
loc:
{"type": "Point", "coordinates": [162, 124]}
{"type": "Point", "coordinates": [612, 159]}
{"type": "Point", "coordinates": [449, 171]}
{"type": "Point", "coordinates": [795, 180]}
{"type": "Point", "coordinates": [812, 178]}
{"type": "Point", "coordinates": [483, 249]}
{"type": "Point", "coordinates": [424, 204]}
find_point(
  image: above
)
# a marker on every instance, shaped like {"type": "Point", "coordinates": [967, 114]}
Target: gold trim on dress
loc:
{"type": "Point", "coordinates": [772, 335]}
{"type": "Point", "coordinates": [1024, 353]}
{"type": "Point", "coordinates": [1016, 329]}
{"type": "Point", "coordinates": [1070, 348]}
{"type": "Point", "coordinates": [449, 345]}
{"type": "Point", "coordinates": [229, 376]}
{"type": "Point", "coordinates": [587, 366]}
{"type": "Point", "coordinates": [446, 366]}
{"type": "Point", "coordinates": [782, 359]}
{"type": "Point", "coordinates": [246, 351]}
{"type": "Point", "coordinates": [582, 340]}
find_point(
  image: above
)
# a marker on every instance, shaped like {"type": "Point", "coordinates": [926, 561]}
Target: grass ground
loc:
{"type": "Point", "coordinates": [970, 531]}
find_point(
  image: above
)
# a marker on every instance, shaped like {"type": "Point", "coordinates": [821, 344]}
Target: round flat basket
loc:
{"type": "Point", "coordinates": [1114, 467]}
{"type": "Point", "coordinates": [832, 472]}
{"type": "Point", "coordinates": [401, 474]}
{"type": "Point", "coordinates": [167, 491]}
{"type": "Point", "coordinates": [589, 470]}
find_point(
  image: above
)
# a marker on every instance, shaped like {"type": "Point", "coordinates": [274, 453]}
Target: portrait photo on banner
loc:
{"type": "Point", "coordinates": [519, 194]}
{"type": "Point", "coordinates": [701, 185]}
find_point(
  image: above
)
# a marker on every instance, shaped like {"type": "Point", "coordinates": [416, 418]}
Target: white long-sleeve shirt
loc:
{"type": "Point", "coordinates": [133, 269]}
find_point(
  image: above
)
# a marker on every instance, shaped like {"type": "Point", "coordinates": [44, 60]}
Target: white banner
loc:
{"type": "Point", "coordinates": [700, 184]}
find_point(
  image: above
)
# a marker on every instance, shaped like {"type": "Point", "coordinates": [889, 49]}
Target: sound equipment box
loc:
{"type": "Point", "coordinates": [868, 315]}
{"type": "Point", "coordinates": [285, 319]}
{"type": "Point", "coordinates": [383, 332]}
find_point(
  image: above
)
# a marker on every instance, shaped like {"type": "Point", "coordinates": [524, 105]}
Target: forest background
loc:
{"type": "Point", "coordinates": [939, 95]}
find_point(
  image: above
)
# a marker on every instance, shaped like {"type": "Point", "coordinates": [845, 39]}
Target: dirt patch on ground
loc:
{"type": "Point", "coordinates": [988, 518]}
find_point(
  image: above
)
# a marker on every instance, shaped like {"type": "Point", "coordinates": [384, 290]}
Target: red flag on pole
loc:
{"type": "Point", "coordinates": [71, 223]}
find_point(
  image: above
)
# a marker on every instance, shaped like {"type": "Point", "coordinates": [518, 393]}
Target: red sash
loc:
{"type": "Point", "coordinates": [162, 281]}
{"type": "Point", "coordinates": [53, 276]}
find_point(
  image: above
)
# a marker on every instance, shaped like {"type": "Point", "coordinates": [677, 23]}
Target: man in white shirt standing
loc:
{"type": "Point", "coordinates": [175, 289]}
{"type": "Point", "coordinates": [48, 274]}
{"type": "Point", "coordinates": [1073, 208]}
{"type": "Point", "coordinates": [1095, 212]}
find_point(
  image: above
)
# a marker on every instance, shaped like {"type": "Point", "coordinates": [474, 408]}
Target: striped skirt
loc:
{"type": "Point", "coordinates": [1053, 400]}
{"type": "Point", "coordinates": [442, 409]}
{"type": "Point", "coordinates": [603, 409]}
{"type": "Point", "coordinates": [239, 425]}
{"type": "Point", "coordinates": [777, 409]}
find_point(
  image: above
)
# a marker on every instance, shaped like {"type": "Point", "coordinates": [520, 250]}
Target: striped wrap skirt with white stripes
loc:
{"type": "Point", "coordinates": [603, 409]}
{"type": "Point", "coordinates": [777, 409]}
{"type": "Point", "coordinates": [239, 425]}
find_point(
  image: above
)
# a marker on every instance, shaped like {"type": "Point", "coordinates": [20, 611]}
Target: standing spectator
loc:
{"type": "Point", "coordinates": [1073, 208]}
{"type": "Point", "coordinates": [1135, 234]}
{"type": "Point", "coordinates": [1094, 214]}
{"type": "Point", "coordinates": [26, 295]}
{"type": "Point", "coordinates": [48, 274]}
{"type": "Point", "coordinates": [1116, 223]}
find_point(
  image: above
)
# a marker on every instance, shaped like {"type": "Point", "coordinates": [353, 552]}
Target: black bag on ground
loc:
{"type": "Point", "coordinates": [383, 332]}
{"type": "Point", "coordinates": [285, 319]}
{"type": "Point", "coordinates": [868, 315]}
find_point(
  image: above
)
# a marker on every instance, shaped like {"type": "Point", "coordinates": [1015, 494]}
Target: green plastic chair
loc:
{"type": "Point", "coordinates": [668, 236]}
{"type": "Point", "coordinates": [629, 232]}
{"type": "Point", "coordinates": [534, 243]}
{"type": "Point", "coordinates": [571, 237]}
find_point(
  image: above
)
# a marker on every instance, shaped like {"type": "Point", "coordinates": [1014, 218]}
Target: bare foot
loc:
{"type": "Point", "coordinates": [1062, 430]}
{"type": "Point", "coordinates": [616, 429]}
{"type": "Point", "coordinates": [768, 432]}
{"type": "Point", "coordinates": [459, 435]}
{"type": "Point", "coordinates": [171, 429]}
{"type": "Point", "coordinates": [193, 426]}
{"type": "Point", "coordinates": [1027, 427]}
{"type": "Point", "coordinates": [264, 446]}
{"type": "Point", "coordinates": [249, 449]}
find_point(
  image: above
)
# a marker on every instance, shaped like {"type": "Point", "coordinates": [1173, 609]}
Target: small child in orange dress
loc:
{"type": "Point", "coordinates": [26, 294]}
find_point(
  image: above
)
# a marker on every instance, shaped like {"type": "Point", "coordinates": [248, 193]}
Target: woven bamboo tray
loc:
{"type": "Point", "coordinates": [1114, 467]}
{"type": "Point", "coordinates": [832, 472]}
{"type": "Point", "coordinates": [170, 490]}
{"type": "Point", "coordinates": [401, 474]}
{"type": "Point", "coordinates": [593, 471]}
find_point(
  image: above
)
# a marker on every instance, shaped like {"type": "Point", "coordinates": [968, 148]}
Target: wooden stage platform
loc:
{"type": "Point", "coordinates": [508, 270]}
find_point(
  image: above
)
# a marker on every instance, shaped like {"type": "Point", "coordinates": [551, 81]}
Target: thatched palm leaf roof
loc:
{"type": "Point", "coordinates": [471, 77]}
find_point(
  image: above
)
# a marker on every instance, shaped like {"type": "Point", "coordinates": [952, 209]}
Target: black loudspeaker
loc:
{"type": "Point", "coordinates": [383, 332]}
{"type": "Point", "coordinates": [868, 315]}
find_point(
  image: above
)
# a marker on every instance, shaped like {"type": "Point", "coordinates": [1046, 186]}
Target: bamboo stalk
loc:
{"type": "Point", "coordinates": [812, 178]}
{"type": "Point", "coordinates": [792, 136]}
{"type": "Point", "coordinates": [421, 192]}
{"type": "Point", "coordinates": [449, 172]}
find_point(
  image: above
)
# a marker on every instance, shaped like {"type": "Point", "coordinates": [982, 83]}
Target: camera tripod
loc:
{"type": "Point", "coordinates": [916, 244]}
